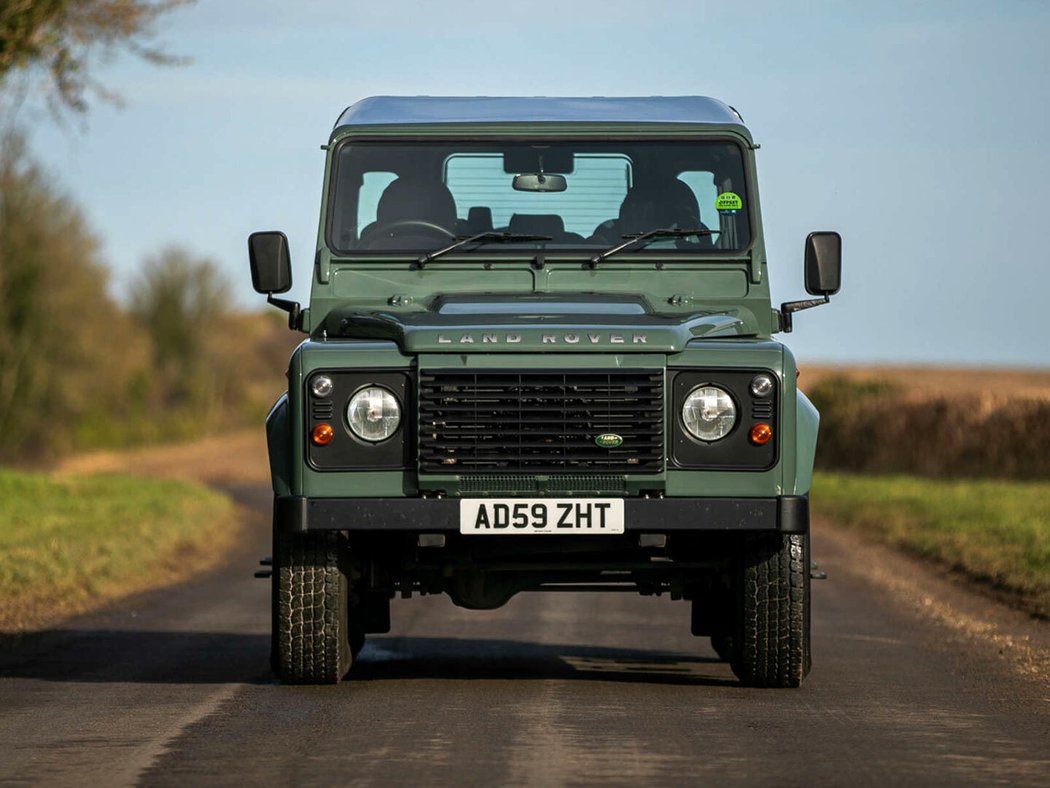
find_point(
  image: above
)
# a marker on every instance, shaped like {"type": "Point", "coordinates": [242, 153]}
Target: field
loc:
{"type": "Point", "coordinates": [926, 380]}
{"type": "Point", "coordinates": [70, 543]}
{"type": "Point", "coordinates": [947, 464]}
{"type": "Point", "coordinates": [994, 533]}
{"type": "Point", "coordinates": [937, 423]}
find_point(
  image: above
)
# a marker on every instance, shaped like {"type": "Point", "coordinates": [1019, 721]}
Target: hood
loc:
{"type": "Point", "coordinates": [564, 324]}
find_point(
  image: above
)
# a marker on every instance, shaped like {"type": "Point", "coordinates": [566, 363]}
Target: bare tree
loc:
{"type": "Point", "coordinates": [61, 40]}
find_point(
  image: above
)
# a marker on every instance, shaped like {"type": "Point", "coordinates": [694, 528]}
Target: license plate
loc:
{"type": "Point", "coordinates": [541, 516]}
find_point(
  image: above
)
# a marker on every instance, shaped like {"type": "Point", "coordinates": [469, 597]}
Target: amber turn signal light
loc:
{"type": "Point", "coordinates": [322, 434]}
{"type": "Point", "coordinates": [761, 434]}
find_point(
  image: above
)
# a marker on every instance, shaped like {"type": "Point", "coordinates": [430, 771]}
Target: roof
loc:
{"type": "Point", "coordinates": [401, 110]}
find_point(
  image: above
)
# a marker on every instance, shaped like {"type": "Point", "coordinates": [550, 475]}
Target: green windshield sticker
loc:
{"type": "Point", "coordinates": [729, 202]}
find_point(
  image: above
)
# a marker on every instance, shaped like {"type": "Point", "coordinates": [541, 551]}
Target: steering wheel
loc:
{"type": "Point", "coordinates": [429, 227]}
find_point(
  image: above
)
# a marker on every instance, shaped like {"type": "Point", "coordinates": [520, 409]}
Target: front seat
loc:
{"type": "Point", "coordinates": [411, 200]}
{"type": "Point", "coordinates": [666, 204]}
{"type": "Point", "coordinates": [653, 206]}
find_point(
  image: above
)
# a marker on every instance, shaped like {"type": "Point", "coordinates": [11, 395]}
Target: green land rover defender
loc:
{"type": "Point", "coordinates": [540, 356]}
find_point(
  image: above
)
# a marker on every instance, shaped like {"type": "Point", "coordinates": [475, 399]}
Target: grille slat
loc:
{"type": "Point", "coordinates": [322, 410]}
{"type": "Point", "coordinates": [540, 421]}
{"type": "Point", "coordinates": [529, 485]}
{"type": "Point", "coordinates": [546, 444]}
{"type": "Point", "coordinates": [762, 410]}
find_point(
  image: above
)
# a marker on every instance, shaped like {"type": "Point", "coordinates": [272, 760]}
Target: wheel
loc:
{"type": "Point", "coordinates": [310, 627]}
{"type": "Point", "coordinates": [772, 644]}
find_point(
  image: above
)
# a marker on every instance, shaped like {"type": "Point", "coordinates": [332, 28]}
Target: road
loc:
{"type": "Point", "coordinates": [173, 688]}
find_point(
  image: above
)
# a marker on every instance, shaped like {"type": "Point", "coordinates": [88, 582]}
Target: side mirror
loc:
{"type": "Point", "coordinates": [823, 263]}
{"type": "Point", "coordinates": [271, 266]}
{"type": "Point", "coordinates": [823, 272]}
{"type": "Point", "coordinates": [270, 262]}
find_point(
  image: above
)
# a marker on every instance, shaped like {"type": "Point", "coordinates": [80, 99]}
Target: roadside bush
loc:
{"type": "Point", "coordinates": [58, 325]}
{"type": "Point", "coordinates": [77, 371]}
{"type": "Point", "coordinates": [179, 301]}
{"type": "Point", "coordinates": [210, 364]}
{"type": "Point", "coordinates": [877, 427]}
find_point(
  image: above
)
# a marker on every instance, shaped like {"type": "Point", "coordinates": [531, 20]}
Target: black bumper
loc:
{"type": "Point", "coordinates": [787, 514]}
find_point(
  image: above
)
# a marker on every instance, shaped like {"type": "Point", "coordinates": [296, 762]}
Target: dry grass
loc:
{"type": "Point", "coordinates": [237, 459]}
{"type": "Point", "coordinates": [108, 524]}
{"type": "Point", "coordinates": [927, 381]}
{"type": "Point", "coordinates": [73, 543]}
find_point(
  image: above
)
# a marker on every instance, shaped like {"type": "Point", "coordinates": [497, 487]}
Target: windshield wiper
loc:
{"type": "Point", "coordinates": [649, 235]}
{"type": "Point", "coordinates": [492, 236]}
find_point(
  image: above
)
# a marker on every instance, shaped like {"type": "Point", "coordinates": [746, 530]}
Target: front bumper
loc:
{"type": "Point", "coordinates": [786, 514]}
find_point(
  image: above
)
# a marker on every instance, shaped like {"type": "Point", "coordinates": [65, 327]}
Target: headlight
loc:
{"type": "Point", "coordinates": [373, 414]}
{"type": "Point", "coordinates": [709, 413]}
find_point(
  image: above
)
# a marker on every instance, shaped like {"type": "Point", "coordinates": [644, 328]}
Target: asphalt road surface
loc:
{"type": "Point", "coordinates": [173, 688]}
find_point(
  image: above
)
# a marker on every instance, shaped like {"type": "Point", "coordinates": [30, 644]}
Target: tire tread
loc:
{"type": "Point", "coordinates": [773, 619]}
{"type": "Point", "coordinates": [311, 645]}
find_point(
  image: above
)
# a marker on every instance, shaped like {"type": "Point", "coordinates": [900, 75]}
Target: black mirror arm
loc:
{"type": "Point", "coordinates": [790, 307]}
{"type": "Point", "coordinates": [295, 313]}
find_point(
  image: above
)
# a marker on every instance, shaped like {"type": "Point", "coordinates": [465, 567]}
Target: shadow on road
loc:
{"type": "Point", "coordinates": [149, 657]}
{"type": "Point", "coordinates": [161, 657]}
{"type": "Point", "coordinates": [396, 658]}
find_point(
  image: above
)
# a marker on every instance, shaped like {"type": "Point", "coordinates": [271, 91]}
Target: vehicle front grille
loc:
{"type": "Point", "coordinates": [582, 484]}
{"type": "Point", "coordinates": [536, 421]}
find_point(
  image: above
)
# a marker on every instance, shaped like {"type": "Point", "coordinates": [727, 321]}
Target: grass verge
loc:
{"type": "Point", "coordinates": [996, 533]}
{"type": "Point", "coordinates": [70, 543]}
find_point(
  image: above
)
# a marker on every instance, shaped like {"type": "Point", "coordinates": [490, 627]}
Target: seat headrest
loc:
{"type": "Point", "coordinates": [425, 201]}
{"type": "Point", "coordinates": [537, 224]}
{"type": "Point", "coordinates": [657, 205]}
{"type": "Point", "coordinates": [479, 219]}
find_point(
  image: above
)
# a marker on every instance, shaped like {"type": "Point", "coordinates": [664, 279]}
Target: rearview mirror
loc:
{"type": "Point", "coordinates": [537, 158]}
{"type": "Point", "coordinates": [823, 263]}
{"type": "Point", "coordinates": [539, 182]}
{"type": "Point", "coordinates": [270, 262]}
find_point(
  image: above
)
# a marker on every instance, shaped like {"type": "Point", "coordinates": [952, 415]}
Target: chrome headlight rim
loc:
{"type": "Point", "coordinates": [725, 427]}
{"type": "Point", "coordinates": [354, 425]}
{"type": "Point", "coordinates": [762, 385]}
{"type": "Point", "coordinates": [322, 385]}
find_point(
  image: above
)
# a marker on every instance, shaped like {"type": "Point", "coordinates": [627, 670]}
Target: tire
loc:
{"type": "Point", "coordinates": [310, 624]}
{"type": "Point", "coordinates": [772, 644]}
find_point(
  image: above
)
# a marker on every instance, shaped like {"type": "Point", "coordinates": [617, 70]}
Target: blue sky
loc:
{"type": "Point", "coordinates": [920, 131]}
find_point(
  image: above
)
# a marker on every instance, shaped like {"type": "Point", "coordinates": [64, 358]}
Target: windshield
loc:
{"type": "Point", "coordinates": [585, 196]}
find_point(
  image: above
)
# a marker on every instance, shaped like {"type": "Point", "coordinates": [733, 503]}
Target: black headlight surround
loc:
{"type": "Point", "coordinates": [347, 452]}
{"type": "Point", "coordinates": [734, 452]}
